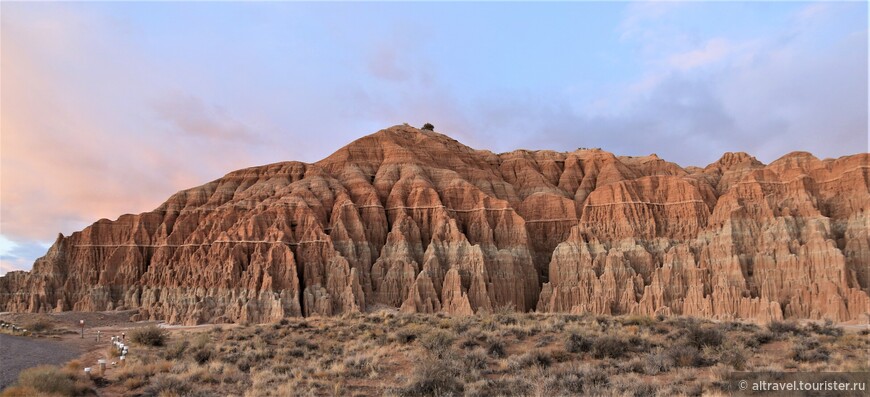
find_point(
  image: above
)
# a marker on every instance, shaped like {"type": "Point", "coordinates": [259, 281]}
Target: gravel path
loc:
{"type": "Point", "coordinates": [18, 353]}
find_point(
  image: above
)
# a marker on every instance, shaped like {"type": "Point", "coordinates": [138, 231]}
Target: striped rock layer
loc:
{"type": "Point", "coordinates": [416, 221]}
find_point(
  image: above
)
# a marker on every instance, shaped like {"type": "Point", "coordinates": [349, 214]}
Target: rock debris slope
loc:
{"type": "Point", "coordinates": [415, 220]}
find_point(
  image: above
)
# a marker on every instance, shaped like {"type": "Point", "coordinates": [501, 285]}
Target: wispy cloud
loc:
{"type": "Point", "coordinates": [812, 11]}
{"type": "Point", "coordinates": [19, 255]}
{"type": "Point", "coordinates": [78, 143]}
{"type": "Point", "coordinates": [712, 51]}
{"type": "Point", "coordinates": [768, 95]}
{"type": "Point", "coordinates": [190, 115]}
{"type": "Point", "coordinates": [638, 15]}
{"type": "Point", "coordinates": [105, 111]}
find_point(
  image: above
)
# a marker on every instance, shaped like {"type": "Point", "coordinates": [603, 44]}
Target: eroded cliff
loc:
{"type": "Point", "coordinates": [413, 219]}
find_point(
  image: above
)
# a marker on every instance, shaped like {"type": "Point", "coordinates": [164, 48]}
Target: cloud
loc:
{"type": "Point", "coordinates": [811, 11]}
{"type": "Point", "coordinates": [7, 266]}
{"type": "Point", "coordinates": [788, 90]}
{"type": "Point", "coordinates": [640, 14]}
{"type": "Point", "coordinates": [714, 50]}
{"type": "Point", "coordinates": [97, 121]}
{"type": "Point", "coordinates": [384, 63]}
{"type": "Point", "coordinates": [190, 115]}
{"type": "Point", "coordinates": [78, 143]}
{"type": "Point", "coordinates": [19, 255]}
{"type": "Point", "coordinates": [768, 95]}
{"type": "Point", "coordinates": [398, 55]}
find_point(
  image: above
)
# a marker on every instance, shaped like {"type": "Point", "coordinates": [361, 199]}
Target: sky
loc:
{"type": "Point", "coordinates": [110, 108]}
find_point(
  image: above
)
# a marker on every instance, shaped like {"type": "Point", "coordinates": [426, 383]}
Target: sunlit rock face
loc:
{"type": "Point", "coordinates": [416, 221]}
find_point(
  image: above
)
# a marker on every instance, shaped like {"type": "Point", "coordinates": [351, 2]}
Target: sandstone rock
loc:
{"type": "Point", "coordinates": [415, 220]}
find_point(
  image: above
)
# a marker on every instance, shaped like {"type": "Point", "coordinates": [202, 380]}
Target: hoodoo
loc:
{"type": "Point", "coordinates": [414, 220]}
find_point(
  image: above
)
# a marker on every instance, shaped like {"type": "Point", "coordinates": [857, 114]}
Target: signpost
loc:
{"type": "Point", "coordinates": [82, 323]}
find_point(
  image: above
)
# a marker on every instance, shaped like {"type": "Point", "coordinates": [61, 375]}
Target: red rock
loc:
{"type": "Point", "coordinates": [412, 219]}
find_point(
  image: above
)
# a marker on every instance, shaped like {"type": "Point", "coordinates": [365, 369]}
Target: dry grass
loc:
{"type": "Point", "coordinates": [499, 354]}
{"type": "Point", "coordinates": [151, 335]}
{"type": "Point", "coordinates": [49, 380]}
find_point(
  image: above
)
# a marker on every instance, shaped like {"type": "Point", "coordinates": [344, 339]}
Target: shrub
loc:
{"type": "Point", "coordinates": [74, 366]}
{"type": "Point", "coordinates": [637, 344]}
{"type": "Point", "coordinates": [635, 365]}
{"type": "Point", "coordinates": [406, 335]}
{"type": "Point", "coordinates": [358, 366]}
{"type": "Point", "coordinates": [428, 127]}
{"type": "Point", "coordinates": [533, 358]}
{"type": "Point", "coordinates": [681, 322]}
{"type": "Point", "coordinates": [476, 359]}
{"type": "Point", "coordinates": [198, 375]}
{"type": "Point", "coordinates": [828, 329]}
{"type": "Point", "coordinates": [609, 346]}
{"type": "Point", "coordinates": [176, 350]}
{"type": "Point", "coordinates": [136, 369]}
{"type": "Point", "coordinates": [114, 352]}
{"type": "Point", "coordinates": [134, 383]}
{"type": "Point", "coordinates": [573, 382]}
{"type": "Point", "coordinates": [304, 343]}
{"type": "Point", "coordinates": [165, 385]}
{"type": "Point", "coordinates": [151, 335]}
{"type": "Point", "coordinates": [244, 364]}
{"type": "Point", "coordinates": [499, 387]}
{"type": "Point", "coordinates": [506, 318]}
{"type": "Point", "coordinates": [704, 337]}
{"type": "Point", "coordinates": [294, 353]}
{"type": "Point", "coordinates": [495, 348]}
{"type": "Point", "coordinates": [544, 341]}
{"type": "Point", "coordinates": [40, 325]}
{"type": "Point", "coordinates": [759, 338]}
{"type": "Point", "coordinates": [658, 362]}
{"type": "Point", "coordinates": [642, 321]}
{"type": "Point", "coordinates": [686, 356]}
{"type": "Point", "coordinates": [809, 350]}
{"type": "Point", "coordinates": [434, 378]}
{"type": "Point", "coordinates": [201, 355]}
{"type": "Point", "coordinates": [437, 342]}
{"type": "Point", "coordinates": [634, 387]}
{"type": "Point", "coordinates": [47, 379]}
{"type": "Point", "coordinates": [576, 343]}
{"type": "Point", "coordinates": [460, 325]}
{"type": "Point", "coordinates": [733, 357]}
{"type": "Point", "coordinates": [783, 327]}
{"type": "Point", "coordinates": [469, 342]}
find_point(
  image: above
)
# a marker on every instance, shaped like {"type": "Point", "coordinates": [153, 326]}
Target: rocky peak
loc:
{"type": "Point", "coordinates": [732, 161]}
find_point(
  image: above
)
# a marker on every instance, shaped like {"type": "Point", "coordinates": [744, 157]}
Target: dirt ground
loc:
{"type": "Point", "coordinates": [64, 341]}
{"type": "Point", "coordinates": [21, 352]}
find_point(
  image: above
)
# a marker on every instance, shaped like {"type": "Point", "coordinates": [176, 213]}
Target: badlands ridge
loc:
{"type": "Point", "coordinates": [414, 220]}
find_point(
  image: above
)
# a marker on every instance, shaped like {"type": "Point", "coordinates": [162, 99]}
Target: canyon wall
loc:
{"type": "Point", "coordinates": [416, 221]}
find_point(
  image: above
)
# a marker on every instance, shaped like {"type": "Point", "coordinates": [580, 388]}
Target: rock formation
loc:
{"type": "Point", "coordinates": [413, 219]}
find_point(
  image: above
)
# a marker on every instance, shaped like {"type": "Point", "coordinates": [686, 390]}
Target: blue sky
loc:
{"type": "Point", "coordinates": [109, 108]}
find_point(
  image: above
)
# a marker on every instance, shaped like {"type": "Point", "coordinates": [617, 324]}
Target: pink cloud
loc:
{"type": "Point", "coordinates": [77, 142]}
{"type": "Point", "coordinates": [9, 266]}
{"type": "Point", "coordinates": [191, 115]}
{"type": "Point", "coordinates": [713, 51]}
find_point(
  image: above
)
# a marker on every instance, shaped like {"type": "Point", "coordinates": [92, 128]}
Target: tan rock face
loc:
{"type": "Point", "coordinates": [414, 220]}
